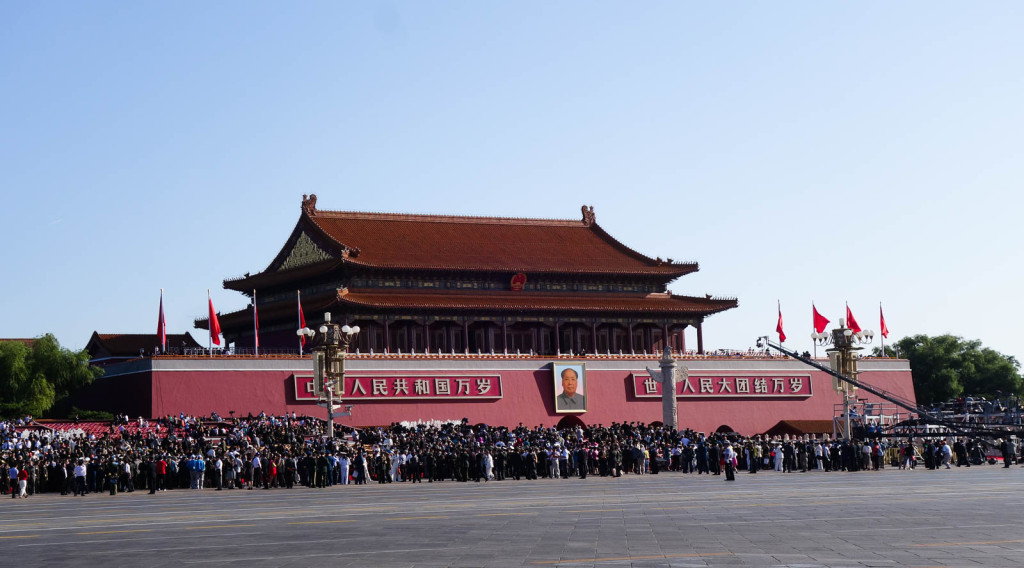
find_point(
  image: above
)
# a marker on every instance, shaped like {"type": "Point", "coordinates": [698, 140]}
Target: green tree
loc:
{"type": "Point", "coordinates": [947, 366]}
{"type": "Point", "coordinates": [68, 371]}
{"type": "Point", "coordinates": [33, 380]}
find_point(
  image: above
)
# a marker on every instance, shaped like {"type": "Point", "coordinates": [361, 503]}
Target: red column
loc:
{"type": "Point", "coordinates": [465, 335]}
{"type": "Point", "coordinates": [700, 338]}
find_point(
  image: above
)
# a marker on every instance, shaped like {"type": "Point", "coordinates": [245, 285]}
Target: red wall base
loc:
{"type": "Point", "coordinates": [202, 386]}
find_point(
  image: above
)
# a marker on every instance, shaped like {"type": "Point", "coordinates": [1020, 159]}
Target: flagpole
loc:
{"type": "Point", "coordinates": [163, 325]}
{"type": "Point", "coordinates": [209, 299]}
{"type": "Point", "coordinates": [880, 334]}
{"type": "Point", "coordinates": [298, 299]}
{"type": "Point", "coordinates": [778, 326]}
{"type": "Point", "coordinates": [815, 343]}
{"type": "Point", "coordinates": [255, 326]}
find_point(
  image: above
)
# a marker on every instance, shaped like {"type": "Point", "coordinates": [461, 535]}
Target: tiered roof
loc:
{"type": "Point", "coordinates": [434, 242]}
{"type": "Point", "coordinates": [451, 243]}
{"type": "Point", "coordinates": [326, 243]}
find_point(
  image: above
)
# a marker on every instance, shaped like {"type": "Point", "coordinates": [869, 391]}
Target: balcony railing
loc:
{"type": "Point", "coordinates": [244, 353]}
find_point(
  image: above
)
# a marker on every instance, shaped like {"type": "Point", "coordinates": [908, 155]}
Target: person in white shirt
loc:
{"type": "Point", "coordinates": [343, 464]}
{"type": "Point", "coordinates": [80, 478]}
{"type": "Point", "coordinates": [729, 457]}
{"type": "Point", "coordinates": [129, 484]}
{"type": "Point", "coordinates": [257, 472]}
{"type": "Point", "coordinates": [553, 463]}
{"type": "Point", "coordinates": [238, 471]}
{"type": "Point", "coordinates": [488, 466]}
{"type": "Point", "coordinates": [218, 472]}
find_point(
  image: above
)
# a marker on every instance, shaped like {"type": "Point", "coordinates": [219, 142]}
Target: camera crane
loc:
{"type": "Point", "coordinates": [925, 416]}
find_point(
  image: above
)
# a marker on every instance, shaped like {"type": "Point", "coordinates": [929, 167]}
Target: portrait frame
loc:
{"type": "Point", "coordinates": [562, 404]}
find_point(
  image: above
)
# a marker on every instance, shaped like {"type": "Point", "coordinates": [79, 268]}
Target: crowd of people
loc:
{"type": "Point", "coordinates": [267, 452]}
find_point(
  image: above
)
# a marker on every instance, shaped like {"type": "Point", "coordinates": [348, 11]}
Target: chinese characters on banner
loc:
{"type": "Point", "coordinates": [717, 386]}
{"type": "Point", "coordinates": [408, 387]}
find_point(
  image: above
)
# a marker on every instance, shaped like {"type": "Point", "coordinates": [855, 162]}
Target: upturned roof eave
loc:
{"type": "Point", "coordinates": [655, 267]}
{"type": "Point", "coordinates": [246, 284]}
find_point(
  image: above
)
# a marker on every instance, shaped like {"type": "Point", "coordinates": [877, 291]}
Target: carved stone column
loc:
{"type": "Point", "coordinates": [667, 378]}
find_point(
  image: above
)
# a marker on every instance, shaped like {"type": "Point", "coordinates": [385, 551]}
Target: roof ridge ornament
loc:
{"type": "Point", "coordinates": [588, 215]}
{"type": "Point", "coordinates": [309, 204]}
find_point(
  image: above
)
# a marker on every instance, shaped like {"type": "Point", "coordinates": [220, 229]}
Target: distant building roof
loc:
{"type": "Point", "coordinates": [28, 342]}
{"type": "Point", "coordinates": [104, 346]}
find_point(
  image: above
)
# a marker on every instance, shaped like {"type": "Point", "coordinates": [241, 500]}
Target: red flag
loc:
{"type": "Point", "coordinates": [214, 325]}
{"type": "Point", "coordinates": [302, 320]}
{"type": "Point", "coordinates": [161, 325]}
{"type": "Point", "coordinates": [884, 330]}
{"type": "Point", "coordinates": [820, 321]}
{"type": "Point", "coordinates": [778, 328]}
{"type": "Point", "coordinates": [850, 321]}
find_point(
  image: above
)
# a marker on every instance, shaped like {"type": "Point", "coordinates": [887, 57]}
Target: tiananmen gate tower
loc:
{"type": "Point", "coordinates": [422, 283]}
{"type": "Point", "coordinates": [478, 317]}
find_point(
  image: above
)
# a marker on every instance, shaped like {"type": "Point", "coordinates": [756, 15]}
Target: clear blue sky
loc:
{"type": "Point", "coordinates": [828, 151]}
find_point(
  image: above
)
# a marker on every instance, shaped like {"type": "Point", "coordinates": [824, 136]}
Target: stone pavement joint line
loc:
{"type": "Point", "coordinates": [969, 543]}
{"type": "Point", "coordinates": [630, 558]}
{"type": "Point", "coordinates": [117, 532]}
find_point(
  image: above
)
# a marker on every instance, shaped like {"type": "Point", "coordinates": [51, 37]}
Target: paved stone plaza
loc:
{"type": "Point", "coordinates": [958, 517]}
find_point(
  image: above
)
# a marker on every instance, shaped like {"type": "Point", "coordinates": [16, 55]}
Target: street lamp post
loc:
{"type": "Point", "coordinates": [843, 359]}
{"type": "Point", "coordinates": [329, 364]}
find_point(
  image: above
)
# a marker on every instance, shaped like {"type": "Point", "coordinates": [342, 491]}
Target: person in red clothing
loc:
{"type": "Point", "coordinates": [161, 474]}
{"type": "Point", "coordinates": [271, 474]}
{"type": "Point", "coordinates": [23, 482]}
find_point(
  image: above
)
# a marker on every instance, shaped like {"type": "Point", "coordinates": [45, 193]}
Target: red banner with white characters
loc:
{"type": "Point", "coordinates": [408, 387]}
{"type": "Point", "coordinates": [727, 386]}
